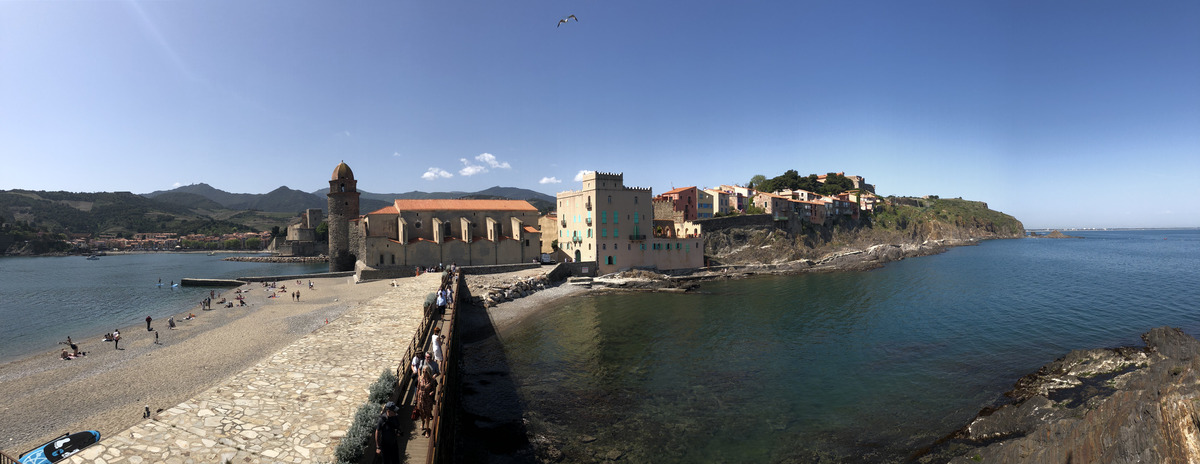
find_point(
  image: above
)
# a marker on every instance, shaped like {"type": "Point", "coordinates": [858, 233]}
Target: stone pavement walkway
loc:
{"type": "Point", "coordinates": [295, 406]}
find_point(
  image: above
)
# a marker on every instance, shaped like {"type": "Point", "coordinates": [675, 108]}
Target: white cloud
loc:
{"type": "Point", "coordinates": [397, 154]}
{"type": "Point", "coordinates": [579, 177]}
{"type": "Point", "coordinates": [490, 160]}
{"type": "Point", "coordinates": [549, 180]}
{"type": "Point", "coordinates": [470, 169]}
{"type": "Point", "coordinates": [434, 173]}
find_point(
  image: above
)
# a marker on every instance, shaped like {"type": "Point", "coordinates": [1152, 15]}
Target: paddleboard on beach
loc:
{"type": "Point", "coordinates": [61, 448]}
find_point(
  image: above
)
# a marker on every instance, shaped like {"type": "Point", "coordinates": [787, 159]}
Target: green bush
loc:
{"type": "Point", "coordinates": [381, 390]}
{"type": "Point", "coordinates": [351, 449]}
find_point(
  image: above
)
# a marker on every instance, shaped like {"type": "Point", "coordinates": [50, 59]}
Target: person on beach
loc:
{"type": "Point", "coordinates": [116, 339]}
{"type": "Point", "coordinates": [148, 324]}
{"type": "Point", "coordinates": [387, 434]}
{"type": "Point", "coordinates": [426, 387]}
{"type": "Point", "coordinates": [435, 345]}
{"type": "Point", "coordinates": [171, 323]}
{"type": "Point", "coordinates": [66, 357]}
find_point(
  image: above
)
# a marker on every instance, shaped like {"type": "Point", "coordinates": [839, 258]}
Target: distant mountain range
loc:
{"type": "Point", "coordinates": [198, 208]}
{"type": "Point", "coordinates": [284, 199]}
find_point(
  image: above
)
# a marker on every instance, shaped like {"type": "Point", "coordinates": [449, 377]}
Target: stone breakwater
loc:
{"type": "Point", "coordinates": [1119, 405]}
{"type": "Point", "coordinates": [496, 292]}
{"type": "Point", "coordinates": [279, 259]}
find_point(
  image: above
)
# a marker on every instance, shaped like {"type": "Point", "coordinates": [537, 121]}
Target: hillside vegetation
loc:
{"type": "Point", "coordinates": [903, 221]}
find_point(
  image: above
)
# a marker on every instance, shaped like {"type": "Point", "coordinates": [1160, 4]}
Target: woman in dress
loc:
{"type": "Point", "coordinates": [426, 386]}
{"type": "Point", "coordinates": [435, 346]}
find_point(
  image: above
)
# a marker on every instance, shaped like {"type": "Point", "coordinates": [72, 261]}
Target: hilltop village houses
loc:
{"type": "Point", "coordinates": [605, 222]}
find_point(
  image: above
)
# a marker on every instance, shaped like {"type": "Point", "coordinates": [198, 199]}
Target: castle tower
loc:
{"type": "Point", "coordinates": [343, 206]}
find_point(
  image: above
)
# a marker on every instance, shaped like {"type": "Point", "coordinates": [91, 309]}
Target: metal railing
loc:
{"type": "Point", "coordinates": [6, 459]}
{"type": "Point", "coordinates": [438, 442]}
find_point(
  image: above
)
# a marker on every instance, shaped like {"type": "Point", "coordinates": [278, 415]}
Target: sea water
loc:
{"type": "Point", "coordinates": [842, 367]}
{"type": "Point", "coordinates": [43, 300]}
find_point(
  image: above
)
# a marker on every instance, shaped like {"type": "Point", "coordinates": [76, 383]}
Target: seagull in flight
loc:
{"type": "Point", "coordinates": [565, 20]}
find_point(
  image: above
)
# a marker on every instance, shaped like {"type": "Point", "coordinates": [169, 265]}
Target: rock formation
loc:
{"type": "Point", "coordinates": [1120, 405]}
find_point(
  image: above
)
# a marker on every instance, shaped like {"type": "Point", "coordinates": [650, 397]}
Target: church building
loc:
{"type": "Point", "coordinates": [425, 233]}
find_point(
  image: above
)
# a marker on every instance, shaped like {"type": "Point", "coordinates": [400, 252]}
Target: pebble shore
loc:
{"type": "Point", "coordinates": [269, 383]}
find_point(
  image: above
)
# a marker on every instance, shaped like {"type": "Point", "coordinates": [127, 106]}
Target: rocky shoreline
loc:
{"type": "Point", "coordinates": [279, 259]}
{"type": "Point", "coordinates": [1113, 405]}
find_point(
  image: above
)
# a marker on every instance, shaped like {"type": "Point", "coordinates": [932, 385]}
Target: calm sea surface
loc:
{"type": "Point", "coordinates": [45, 299]}
{"type": "Point", "coordinates": [844, 367]}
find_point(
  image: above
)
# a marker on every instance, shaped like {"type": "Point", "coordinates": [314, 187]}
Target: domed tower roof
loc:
{"type": "Point", "coordinates": [342, 171]}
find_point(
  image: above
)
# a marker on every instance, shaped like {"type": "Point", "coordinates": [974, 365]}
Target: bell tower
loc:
{"type": "Point", "coordinates": [343, 206]}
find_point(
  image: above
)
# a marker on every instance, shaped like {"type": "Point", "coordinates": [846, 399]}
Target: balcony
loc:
{"type": "Point", "coordinates": [577, 239]}
{"type": "Point", "coordinates": [563, 222]}
{"type": "Point", "coordinates": [588, 205]}
{"type": "Point", "coordinates": [637, 237]}
{"type": "Point", "coordinates": [589, 221]}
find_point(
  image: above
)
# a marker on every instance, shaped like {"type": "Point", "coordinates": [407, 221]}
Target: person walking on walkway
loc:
{"type": "Point", "coordinates": [426, 386]}
{"type": "Point", "coordinates": [387, 435]}
{"type": "Point", "coordinates": [435, 345]}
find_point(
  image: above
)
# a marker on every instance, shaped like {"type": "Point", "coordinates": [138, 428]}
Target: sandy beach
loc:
{"type": "Point", "coordinates": [108, 389]}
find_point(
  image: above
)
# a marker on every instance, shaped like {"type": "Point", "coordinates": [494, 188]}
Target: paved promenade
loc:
{"type": "Point", "coordinates": [292, 407]}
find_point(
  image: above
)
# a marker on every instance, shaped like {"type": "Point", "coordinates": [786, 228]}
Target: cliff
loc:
{"type": "Point", "coordinates": [1122, 405]}
{"type": "Point", "coordinates": [893, 231]}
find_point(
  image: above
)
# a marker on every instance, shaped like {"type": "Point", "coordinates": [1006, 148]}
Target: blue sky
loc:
{"type": "Point", "coordinates": [1062, 113]}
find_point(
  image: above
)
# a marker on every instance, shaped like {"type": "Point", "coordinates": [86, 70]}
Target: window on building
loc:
{"type": "Point", "coordinates": [604, 232]}
{"type": "Point", "coordinates": [589, 233]}
{"type": "Point", "coordinates": [643, 247]}
{"type": "Point", "coordinates": [610, 260]}
{"type": "Point", "coordinates": [610, 198]}
{"type": "Point", "coordinates": [604, 246]}
{"type": "Point", "coordinates": [616, 233]}
{"type": "Point", "coordinates": [615, 217]}
{"type": "Point", "coordinates": [635, 199]}
{"type": "Point", "coordinates": [635, 218]}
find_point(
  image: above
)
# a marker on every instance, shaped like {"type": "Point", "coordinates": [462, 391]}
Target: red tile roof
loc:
{"type": "Point", "coordinates": [531, 230]}
{"type": "Point", "coordinates": [385, 210]}
{"type": "Point", "coordinates": [463, 205]}
{"type": "Point", "coordinates": [678, 190]}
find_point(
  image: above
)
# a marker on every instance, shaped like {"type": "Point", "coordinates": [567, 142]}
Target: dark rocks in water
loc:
{"type": "Point", "coordinates": [1053, 234]}
{"type": "Point", "coordinates": [1096, 406]}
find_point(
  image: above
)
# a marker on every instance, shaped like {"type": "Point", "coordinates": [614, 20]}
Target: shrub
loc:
{"type": "Point", "coordinates": [381, 390]}
{"type": "Point", "coordinates": [351, 449]}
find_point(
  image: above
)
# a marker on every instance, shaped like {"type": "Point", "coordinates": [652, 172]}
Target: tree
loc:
{"type": "Point", "coordinates": [254, 243]}
{"type": "Point", "coordinates": [275, 231]}
{"type": "Point", "coordinates": [757, 179]}
{"type": "Point", "coordinates": [323, 231]}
